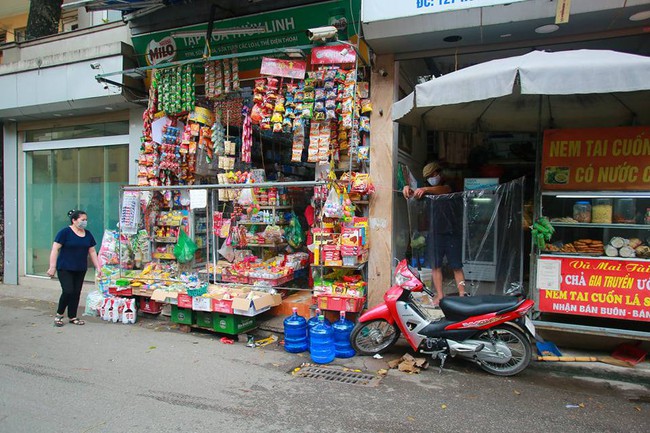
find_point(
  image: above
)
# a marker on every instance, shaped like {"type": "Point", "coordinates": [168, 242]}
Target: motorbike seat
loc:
{"type": "Point", "coordinates": [459, 308]}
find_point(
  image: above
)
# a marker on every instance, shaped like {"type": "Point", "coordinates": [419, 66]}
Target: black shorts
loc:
{"type": "Point", "coordinates": [447, 245]}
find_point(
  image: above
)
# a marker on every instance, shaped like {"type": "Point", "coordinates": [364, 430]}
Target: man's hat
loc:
{"type": "Point", "coordinates": [430, 168]}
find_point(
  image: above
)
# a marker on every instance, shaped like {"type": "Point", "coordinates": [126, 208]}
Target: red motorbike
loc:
{"type": "Point", "coordinates": [492, 331]}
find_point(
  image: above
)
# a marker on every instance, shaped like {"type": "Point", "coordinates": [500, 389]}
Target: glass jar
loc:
{"type": "Point", "coordinates": [582, 211]}
{"type": "Point", "coordinates": [625, 211]}
{"type": "Point", "coordinates": [601, 211]}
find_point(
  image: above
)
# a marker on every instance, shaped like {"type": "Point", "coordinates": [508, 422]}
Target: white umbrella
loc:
{"type": "Point", "coordinates": [578, 88]}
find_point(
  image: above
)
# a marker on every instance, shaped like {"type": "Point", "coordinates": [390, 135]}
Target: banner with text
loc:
{"type": "Point", "coordinates": [617, 289]}
{"type": "Point", "coordinates": [280, 29]}
{"type": "Point", "coordinates": [612, 159]}
{"type": "Point", "coordinates": [380, 10]}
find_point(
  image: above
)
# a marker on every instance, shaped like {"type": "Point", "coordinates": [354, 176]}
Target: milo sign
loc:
{"type": "Point", "coordinates": [161, 52]}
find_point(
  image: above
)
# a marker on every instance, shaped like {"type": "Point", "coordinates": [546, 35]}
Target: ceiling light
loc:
{"type": "Point", "coordinates": [454, 38]}
{"type": "Point", "coordinates": [108, 108]}
{"type": "Point", "coordinates": [507, 35]}
{"type": "Point", "coordinates": [549, 28]}
{"type": "Point", "coordinates": [294, 53]}
{"type": "Point", "coordinates": [640, 16]}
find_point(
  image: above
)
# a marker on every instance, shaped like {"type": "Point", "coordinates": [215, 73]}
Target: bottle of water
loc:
{"type": "Point", "coordinates": [342, 330]}
{"type": "Point", "coordinates": [314, 321]}
{"type": "Point", "coordinates": [295, 333]}
{"type": "Point", "coordinates": [321, 342]}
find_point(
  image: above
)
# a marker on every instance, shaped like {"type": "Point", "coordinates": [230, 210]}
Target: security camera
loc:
{"type": "Point", "coordinates": [321, 34]}
{"type": "Point", "coordinates": [95, 65]}
{"type": "Point", "coordinates": [383, 72]}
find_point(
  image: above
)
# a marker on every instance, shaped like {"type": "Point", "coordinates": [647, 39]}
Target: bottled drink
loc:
{"type": "Point", "coordinates": [321, 342]}
{"type": "Point", "coordinates": [342, 330]}
{"type": "Point", "coordinates": [295, 333]}
{"type": "Point", "coordinates": [313, 321]}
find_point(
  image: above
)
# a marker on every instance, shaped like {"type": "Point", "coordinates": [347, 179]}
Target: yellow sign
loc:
{"type": "Point", "coordinates": [562, 11]}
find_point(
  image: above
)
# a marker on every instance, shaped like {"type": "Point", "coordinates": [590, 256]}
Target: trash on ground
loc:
{"type": "Point", "coordinates": [409, 364]}
{"type": "Point", "coordinates": [226, 340]}
{"type": "Point", "coordinates": [378, 356]}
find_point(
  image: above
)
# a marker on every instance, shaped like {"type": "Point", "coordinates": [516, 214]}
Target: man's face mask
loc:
{"type": "Point", "coordinates": [435, 180]}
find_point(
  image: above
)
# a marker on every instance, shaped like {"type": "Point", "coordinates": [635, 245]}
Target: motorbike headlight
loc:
{"type": "Point", "coordinates": [401, 279]}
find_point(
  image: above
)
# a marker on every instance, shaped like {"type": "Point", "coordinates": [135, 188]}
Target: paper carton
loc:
{"type": "Point", "coordinates": [260, 303]}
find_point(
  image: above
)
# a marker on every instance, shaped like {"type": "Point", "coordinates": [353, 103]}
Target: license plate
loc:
{"type": "Point", "coordinates": [529, 325]}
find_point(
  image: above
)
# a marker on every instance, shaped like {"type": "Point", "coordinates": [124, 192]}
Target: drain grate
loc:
{"type": "Point", "coordinates": [337, 374]}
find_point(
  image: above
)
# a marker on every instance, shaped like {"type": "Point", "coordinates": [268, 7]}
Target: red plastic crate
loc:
{"type": "Point", "coordinates": [149, 306]}
{"type": "Point", "coordinates": [119, 291]}
{"type": "Point", "coordinates": [184, 301]}
{"type": "Point", "coordinates": [240, 279]}
{"type": "Point", "coordinates": [339, 303]}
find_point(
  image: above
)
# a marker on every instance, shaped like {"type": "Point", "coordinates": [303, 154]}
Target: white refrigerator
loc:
{"type": "Point", "coordinates": [480, 229]}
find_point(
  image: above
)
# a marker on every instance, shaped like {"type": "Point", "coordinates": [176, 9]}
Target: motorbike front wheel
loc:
{"type": "Point", "coordinates": [375, 336]}
{"type": "Point", "coordinates": [499, 341]}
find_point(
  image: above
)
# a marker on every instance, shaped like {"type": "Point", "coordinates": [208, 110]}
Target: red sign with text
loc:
{"type": "Point", "coordinates": [596, 159]}
{"type": "Point", "coordinates": [284, 68]}
{"type": "Point", "coordinates": [333, 55]}
{"type": "Point", "coordinates": [617, 289]}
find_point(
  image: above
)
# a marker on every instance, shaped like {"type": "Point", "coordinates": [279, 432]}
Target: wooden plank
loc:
{"type": "Point", "coordinates": [382, 172]}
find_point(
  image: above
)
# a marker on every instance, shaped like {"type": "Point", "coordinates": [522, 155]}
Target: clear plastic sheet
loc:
{"type": "Point", "coordinates": [479, 231]}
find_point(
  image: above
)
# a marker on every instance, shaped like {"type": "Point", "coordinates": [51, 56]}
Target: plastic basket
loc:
{"type": "Point", "coordinates": [200, 291]}
{"type": "Point", "coordinates": [629, 353]}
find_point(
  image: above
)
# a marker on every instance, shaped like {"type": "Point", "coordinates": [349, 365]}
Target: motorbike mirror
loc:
{"type": "Point", "coordinates": [515, 289]}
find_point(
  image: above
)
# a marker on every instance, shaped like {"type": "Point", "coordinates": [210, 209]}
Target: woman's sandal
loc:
{"type": "Point", "coordinates": [76, 321]}
{"type": "Point", "coordinates": [58, 321]}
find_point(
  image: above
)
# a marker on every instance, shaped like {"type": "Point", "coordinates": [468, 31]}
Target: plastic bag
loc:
{"type": "Point", "coordinates": [185, 248]}
{"type": "Point", "coordinates": [333, 207]}
{"type": "Point", "coordinates": [94, 302]}
{"type": "Point", "coordinates": [294, 233]}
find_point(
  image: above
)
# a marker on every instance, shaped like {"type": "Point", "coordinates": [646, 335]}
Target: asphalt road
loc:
{"type": "Point", "coordinates": [105, 377]}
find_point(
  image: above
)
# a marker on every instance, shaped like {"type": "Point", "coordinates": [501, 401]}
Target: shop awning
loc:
{"type": "Point", "coordinates": [139, 7]}
{"type": "Point", "coordinates": [604, 88]}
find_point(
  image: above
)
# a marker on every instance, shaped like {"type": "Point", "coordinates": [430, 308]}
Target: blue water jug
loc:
{"type": "Point", "coordinates": [321, 342]}
{"type": "Point", "coordinates": [313, 321]}
{"type": "Point", "coordinates": [295, 333]}
{"type": "Point", "coordinates": [342, 330]}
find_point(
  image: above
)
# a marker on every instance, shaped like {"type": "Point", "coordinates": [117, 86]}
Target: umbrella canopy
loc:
{"type": "Point", "coordinates": [578, 88]}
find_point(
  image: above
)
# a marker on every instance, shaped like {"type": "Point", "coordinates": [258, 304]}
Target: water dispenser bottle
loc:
{"type": "Point", "coordinates": [314, 321]}
{"type": "Point", "coordinates": [321, 342]}
{"type": "Point", "coordinates": [295, 333]}
{"type": "Point", "coordinates": [342, 330]}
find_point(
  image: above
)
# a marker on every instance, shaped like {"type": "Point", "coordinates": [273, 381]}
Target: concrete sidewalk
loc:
{"type": "Point", "coordinates": [639, 374]}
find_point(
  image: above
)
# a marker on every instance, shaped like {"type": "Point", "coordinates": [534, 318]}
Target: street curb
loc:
{"type": "Point", "coordinates": [595, 370]}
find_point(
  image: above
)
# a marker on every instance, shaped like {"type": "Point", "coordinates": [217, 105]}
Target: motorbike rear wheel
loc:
{"type": "Point", "coordinates": [375, 336]}
{"type": "Point", "coordinates": [517, 343]}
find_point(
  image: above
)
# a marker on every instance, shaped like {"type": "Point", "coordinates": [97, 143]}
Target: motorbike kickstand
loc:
{"type": "Point", "coordinates": [443, 358]}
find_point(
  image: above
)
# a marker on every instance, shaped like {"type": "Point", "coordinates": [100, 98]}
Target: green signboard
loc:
{"type": "Point", "coordinates": [279, 29]}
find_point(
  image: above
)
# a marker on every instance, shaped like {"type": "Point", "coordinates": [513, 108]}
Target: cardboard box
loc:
{"type": "Point", "coordinates": [200, 303]}
{"type": "Point", "coordinates": [232, 324]}
{"type": "Point", "coordinates": [261, 302]}
{"type": "Point", "coordinates": [184, 316]}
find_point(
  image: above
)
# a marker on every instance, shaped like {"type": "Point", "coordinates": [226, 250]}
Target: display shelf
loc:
{"type": "Point", "coordinates": [163, 256]}
{"type": "Point", "coordinates": [357, 266]}
{"type": "Point", "coordinates": [280, 245]}
{"type": "Point", "coordinates": [248, 223]}
{"type": "Point", "coordinates": [586, 256]}
{"type": "Point", "coordinates": [279, 207]}
{"type": "Point", "coordinates": [166, 240]}
{"type": "Point", "coordinates": [169, 225]}
{"type": "Point", "coordinates": [602, 226]}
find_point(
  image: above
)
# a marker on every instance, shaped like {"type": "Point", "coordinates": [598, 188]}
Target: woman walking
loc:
{"type": "Point", "coordinates": [69, 259]}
